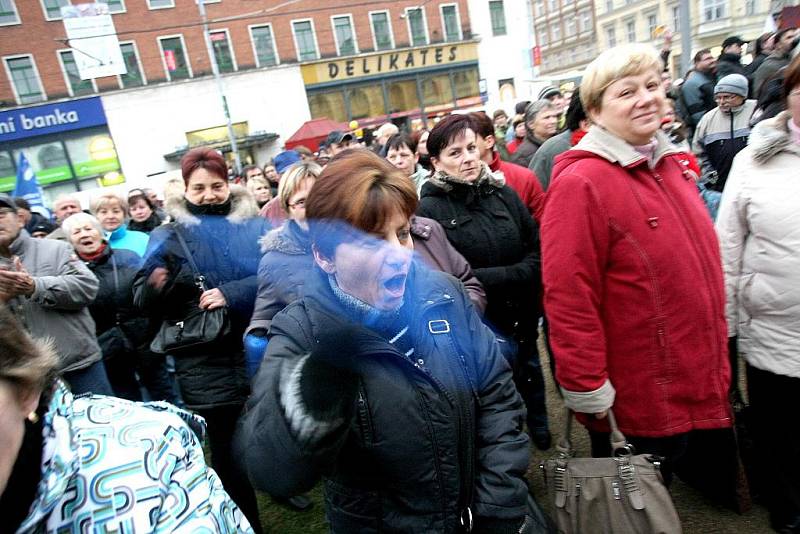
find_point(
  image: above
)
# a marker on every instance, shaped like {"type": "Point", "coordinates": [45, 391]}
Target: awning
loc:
{"type": "Point", "coordinates": [225, 146]}
{"type": "Point", "coordinates": [312, 132]}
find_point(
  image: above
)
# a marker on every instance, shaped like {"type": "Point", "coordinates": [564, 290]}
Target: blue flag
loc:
{"type": "Point", "coordinates": [27, 186]}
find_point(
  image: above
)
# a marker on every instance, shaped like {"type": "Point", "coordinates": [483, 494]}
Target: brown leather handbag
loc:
{"type": "Point", "coordinates": [624, 493]}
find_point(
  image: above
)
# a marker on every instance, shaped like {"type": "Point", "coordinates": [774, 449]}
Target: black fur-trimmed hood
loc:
{"type": "Point", "coordinates": [243, 207]}
{"type": "Point", "coordinates": [771, 137]}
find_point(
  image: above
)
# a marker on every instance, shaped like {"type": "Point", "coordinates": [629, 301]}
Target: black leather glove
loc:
{"type": "Point", "coordinates": [329, 379]}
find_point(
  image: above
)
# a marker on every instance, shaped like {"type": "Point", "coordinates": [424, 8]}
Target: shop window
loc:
{"type": "Point", "coordinates": [382, 30]}
{"type": "Point", "coordinates": [75, 84]}
{"type": "Point", "coordinates": [173, 54]}
{"type": "Point", "coordinates": [133, 77]}
{"type": "Point", "coordinates": [48, 160]}
{"type": "Point", "coordinates": [263, 45]}
{"type": "Point", "coordinates": [25, 79]}
{"type": "Point", "coordinates": [8, 13]}
{"type": "Point", "coordinates": [497, 13]}
{"type": "Point", "coordinates": [221, 43]}
{"type": "Point", "coordinates": [345, 38]}
{"type": "Point", "coordinates": [437, 92]}
{"type": "Point", "coordinates": [52, 8]}
{"type": "Point", "coordinates": [92, 155]}
{"type": "Point", "coordinates": [450, 23]}
{"type": "Point", "coordinates": [8, 171]}
{"type": "Point", "coordinates": [417, 27]}
{"type": "Point", "coordinates": [466, 83]}
{"type": "Point", "coordinates": [328, 104]}
{"type": "Point", "coordinates": [366, 101]}
{"type": "Point", "coordinates": [403, 96]}
{"type": "Point", "coordinates": [305, 40]}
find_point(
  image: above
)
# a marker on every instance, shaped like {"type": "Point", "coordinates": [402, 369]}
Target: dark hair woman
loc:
{"type": "Point", "coordinates": [219, 226]}
{"type": "Point", "coordinates": [143, 214]}
{"type": "Point", "coordinates": [54, 443]}
{"type": "Point", "coordinates": [382, 378]}
{"type": "Point", "coordinates": [487, 222]}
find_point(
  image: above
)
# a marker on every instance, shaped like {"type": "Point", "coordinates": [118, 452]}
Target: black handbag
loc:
{"type": "Point", "coordinates": [198, 327]}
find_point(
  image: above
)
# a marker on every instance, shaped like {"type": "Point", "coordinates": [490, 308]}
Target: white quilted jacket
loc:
{"type": "Point", "coordinates": [759, 231]}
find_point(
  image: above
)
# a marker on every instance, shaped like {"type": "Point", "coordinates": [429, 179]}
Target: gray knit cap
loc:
{"type": "Point", "coordinates": [732, 83]}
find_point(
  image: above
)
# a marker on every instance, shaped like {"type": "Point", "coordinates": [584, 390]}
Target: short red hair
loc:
{"type": "Point", "coordinates": [203, 158]}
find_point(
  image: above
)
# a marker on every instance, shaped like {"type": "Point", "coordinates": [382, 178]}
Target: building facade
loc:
{"type": "Point", "coordinates": [281, 64]}
{"type": "Point", "coordinates": [566, 36]}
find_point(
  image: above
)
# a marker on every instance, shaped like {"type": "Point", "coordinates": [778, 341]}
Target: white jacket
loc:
{"type": "Point", "coordinates": [759, 231]}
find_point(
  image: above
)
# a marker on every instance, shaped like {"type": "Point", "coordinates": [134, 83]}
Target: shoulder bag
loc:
{"type": "Point", "coordinates": [624, 493]}
{"type": "Point", "coordinates": [199, 326]}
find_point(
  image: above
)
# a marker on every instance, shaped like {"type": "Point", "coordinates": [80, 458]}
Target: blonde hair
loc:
{"type": "Point", "coordinates": [254, 181]}
{"type": "Point", "coordinates": [293, 178]}
{"type": "Point", "coordinates": [174, 188]}
{"type": "Point", "coordinates": [105, 200]}
{"type": "Point", "coordinates": [614, 64]}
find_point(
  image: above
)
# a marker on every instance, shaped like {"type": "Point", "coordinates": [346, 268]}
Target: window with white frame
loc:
{"type": "Point", "coordinates": [451, 25]}
{"type": "Point", "coordinates": [173, 54]}
{"type": "Point", "coordinates": [652, 23]}
{"type": "Point", "coordinates": [382, 37]}
{"type": "Point", "coordinates": [417, 26]}
{"type": "Point", "coordinates": [24, 77]}
{"type": "Point", "coordinates": [538, 8]}
{"type": "Point", "coordinates": [713, 9]}
{"type": "Point", "coordinates": [541, 36]}
{"type": "Point", "coordinates": [8, 13]}
{"type": "Point", "coordinates": [223, 52]}
{"type": "Point", "coordinates": [497, 13]}
{"type": "Point", "coordinates": [115, 6]}
{"type": "Point", "coordinates": [305, 40]}
{"type": "Point", "coordinates": [556, 31]}
{"type": "Point", "coordinates": [160, 4]}
{"type": "Point", "coordinates": [630, 30]}
{"type": "Point", "coordinates": [571, 27]}
{"type": "Point", "coordinates": [609, 6]}
{"type": "Point", "coordinates": [134, 77]}
{"type": "Point", "coordinates": [52, 8]}
{"type": "Point", "coordinates": [586, 20]}
{"type": "Point", "coordinates": [263, 45]}
{"type": "Point", "coordinates": [573, 55]}
{"type": "Point", "coordinates": [676, 18]}
{"type": "Point", "coordinates": [750, 7]}
{"type": "Point", "coordinates": [72, 77]}
{"type": "Point", "coordinates": [611, 37]}
{"type": "Point", "coordinates": [552, 6]}
{"type": "Point", "coordinates": [344, 35]}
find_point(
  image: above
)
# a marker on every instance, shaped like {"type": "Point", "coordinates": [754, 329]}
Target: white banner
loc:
{"type": "Point", "coordinates": [93, 40]}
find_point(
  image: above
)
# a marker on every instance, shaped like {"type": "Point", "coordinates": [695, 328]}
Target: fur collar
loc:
{"type": "Point", "coordinates": [287, 239]}
{"type": "Point", "coordinates": [770, 137]}
{"type": "Point", "coordinates": [243, 207]}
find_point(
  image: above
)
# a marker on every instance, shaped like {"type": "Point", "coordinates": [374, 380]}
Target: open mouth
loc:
{"type": "Point", "coordinates": [396, 285]}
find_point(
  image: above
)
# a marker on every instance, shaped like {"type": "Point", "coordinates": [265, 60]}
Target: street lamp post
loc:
{"type": "Point", "coordinates": [686, 37]}
{"type": "Point", "coordinates": [220, 87]}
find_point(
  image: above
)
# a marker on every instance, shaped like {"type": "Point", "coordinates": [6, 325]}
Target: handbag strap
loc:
{"type": "Point", "coordinates": [199, 279]}
{"type": "Point", "coordinates": [619, 443]}
{"type": "Point", "coordinates": [116, 283]}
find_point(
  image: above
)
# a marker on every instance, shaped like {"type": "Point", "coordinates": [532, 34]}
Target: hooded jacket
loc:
{"type": "Point", "coordinates": [59, 306]}
{"type": "Point", "coordinates": [100, 452]}
{"type": "Point", "coordinates": [633, 289]}
{"type": "Point", "coordinates": [759, 231]}
{"type": "Point", "coordinates": [718, 138]}
{"type": "Point", "coordinates": [421, 440]}
{"type": "Point", "coordinates": [225, 249]}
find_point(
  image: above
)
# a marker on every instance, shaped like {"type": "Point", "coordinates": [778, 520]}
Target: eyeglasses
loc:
{"type": "Point", "coordinates": [298, 204]}
{"type": "Point", "coordinates": [726, 98]}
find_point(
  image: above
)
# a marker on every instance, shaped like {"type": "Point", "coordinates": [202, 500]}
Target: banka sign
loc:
{"type": "Point", "coordinates": [51, 118]}
{"type": "Point", "coordinates": [387, 63]}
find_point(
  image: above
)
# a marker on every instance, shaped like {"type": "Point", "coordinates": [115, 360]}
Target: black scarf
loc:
{"type": "Point", "coordinates": [209, 209]}
{"type": "Point", "coordinates": [15, 503]}
{"type": "Point", "coordinates": [147, 225]}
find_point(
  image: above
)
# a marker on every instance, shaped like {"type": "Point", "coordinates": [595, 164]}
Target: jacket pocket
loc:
{"type": "Point", "coordinates": [755, 295]}
{"type": "Point", "coordinates": [351, 509]}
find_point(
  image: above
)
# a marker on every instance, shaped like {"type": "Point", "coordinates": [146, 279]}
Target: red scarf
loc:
{"type": "Point", "coordinates": [99, 252]}
{"type": "Point", "coordinates": [576, 136]}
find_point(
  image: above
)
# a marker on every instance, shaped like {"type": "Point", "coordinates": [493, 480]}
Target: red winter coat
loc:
{"type": "Point", "coordinates": [634, 290]}
{"type": "Point", "coordinates": [524, 183]}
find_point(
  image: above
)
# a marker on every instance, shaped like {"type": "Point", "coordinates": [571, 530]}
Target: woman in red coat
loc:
{"type": "Point", "coordinates": [631, 266]}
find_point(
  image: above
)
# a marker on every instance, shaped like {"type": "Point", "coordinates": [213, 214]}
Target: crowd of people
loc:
{"type": "Point", "coordinates": [370, 316]}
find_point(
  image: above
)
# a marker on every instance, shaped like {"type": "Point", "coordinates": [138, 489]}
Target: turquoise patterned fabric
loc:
{"type": "Point", "coordinates": [111, 465]}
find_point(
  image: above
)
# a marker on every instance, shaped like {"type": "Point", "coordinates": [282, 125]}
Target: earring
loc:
{"type": "Point", "coordinates": [33, 417]}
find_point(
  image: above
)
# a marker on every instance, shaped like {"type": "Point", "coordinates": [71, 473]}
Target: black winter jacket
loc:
{"type": "Point", "coordinates": [427, 435]}
{"type": "Point", "coordinates": [226, 252]}
{"type": "Point", "coordinates": [493, 230]}
{"type": "Point", "coordinates": [113, 305]}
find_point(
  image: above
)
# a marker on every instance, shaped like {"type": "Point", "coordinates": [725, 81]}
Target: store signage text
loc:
{"type": "Point", "coordinates": [51, 118]}
{"type": "Point", "coordinates": [386, 63]}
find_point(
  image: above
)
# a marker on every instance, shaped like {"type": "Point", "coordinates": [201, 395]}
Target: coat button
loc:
{"type": "Point", "coordinates": [421, 361]}
{"type": "Point", "coordinates": [453, 222]}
